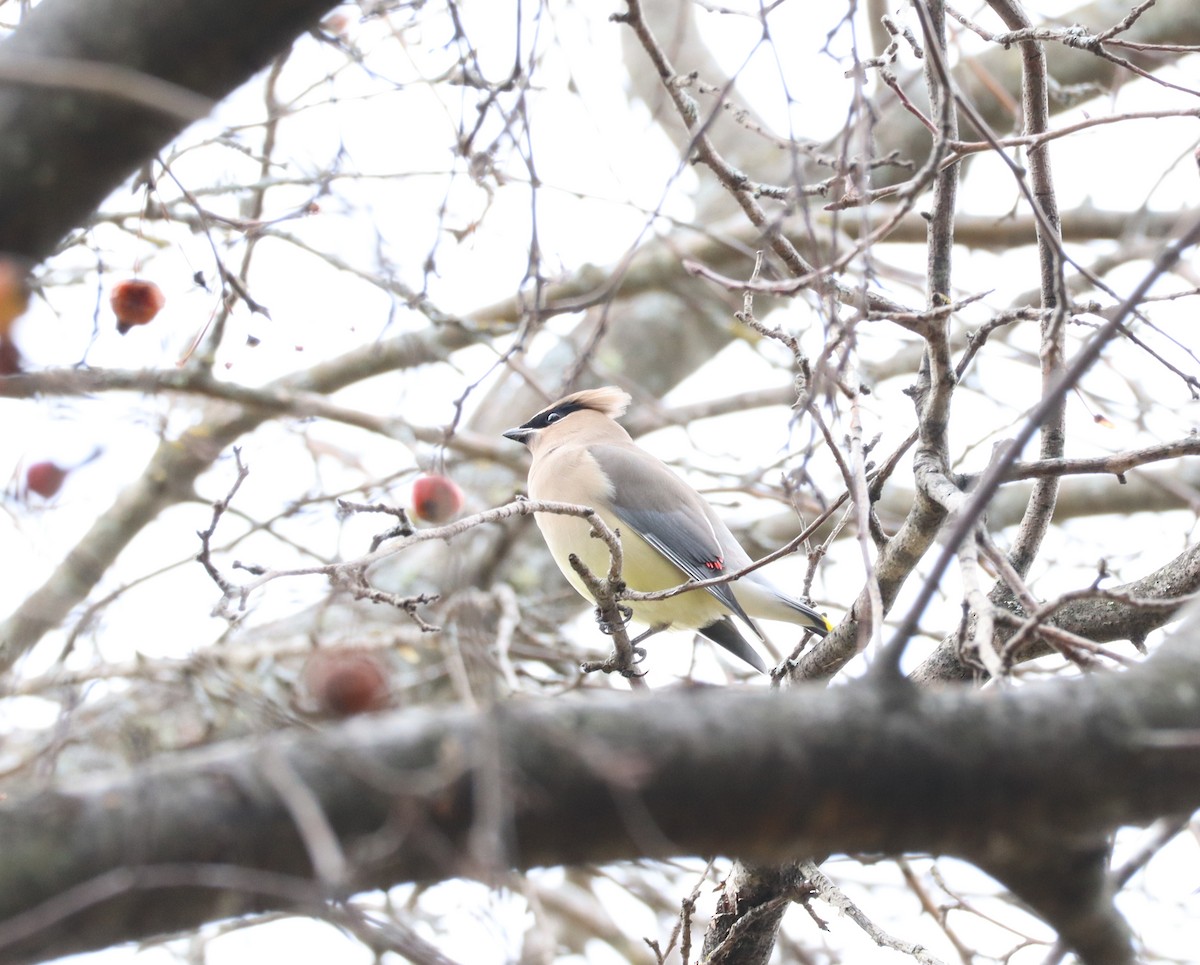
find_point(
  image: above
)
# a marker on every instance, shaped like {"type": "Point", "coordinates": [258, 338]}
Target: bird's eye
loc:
{"type": "Point", "coordinates": [553, 417]}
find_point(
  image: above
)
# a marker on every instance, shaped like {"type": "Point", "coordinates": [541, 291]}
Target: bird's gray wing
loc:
{"type": "Point", "coordinates": [672, 517]}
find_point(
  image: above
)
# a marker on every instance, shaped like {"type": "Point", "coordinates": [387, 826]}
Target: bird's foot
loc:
{"type": "Point", "coordinates": [606, 627]}
{"type": "Point", "coordinates": [618, 662]}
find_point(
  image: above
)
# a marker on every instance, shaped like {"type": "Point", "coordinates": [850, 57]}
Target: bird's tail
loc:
{"type": "Point", "coordinates": [762, 598]}
{"type": "Point", "coordinates": [726, 633]}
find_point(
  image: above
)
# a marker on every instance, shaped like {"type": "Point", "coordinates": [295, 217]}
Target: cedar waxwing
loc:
{"type": "Point", "coordinates": [669, 533]}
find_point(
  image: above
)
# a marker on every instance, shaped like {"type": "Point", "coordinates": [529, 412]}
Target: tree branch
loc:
{"type": "Point", "coordinates": [603, 778]}
{"type": "Point", "coordinates": [170, 476]}
{"type": "Point", "coordinates": [67, 147]}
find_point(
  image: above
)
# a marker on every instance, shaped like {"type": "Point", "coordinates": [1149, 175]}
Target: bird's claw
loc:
{"type": "Point", "coordinates": [639, 654]}
{"type": "Point", "coordinates": [606, 627]}
{"type": "Point", "coordinates": [615, 663]}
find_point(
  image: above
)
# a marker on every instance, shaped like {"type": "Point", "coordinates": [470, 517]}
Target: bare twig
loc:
{"type": "Point", "coordinates": [219, 508]}
{"type": "Point", "coordinates": [830, 893]}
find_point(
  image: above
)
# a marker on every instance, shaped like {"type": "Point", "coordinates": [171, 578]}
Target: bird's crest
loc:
{"type": "Point", "coordinates": [607, 400]}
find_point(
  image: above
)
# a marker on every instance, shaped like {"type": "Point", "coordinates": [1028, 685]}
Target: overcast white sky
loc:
{"type": "Point", "coordinates": [603, 167]}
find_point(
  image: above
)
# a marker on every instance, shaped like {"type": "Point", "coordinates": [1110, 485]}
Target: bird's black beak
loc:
{"type": "Point", "coordinates": [519, 434]}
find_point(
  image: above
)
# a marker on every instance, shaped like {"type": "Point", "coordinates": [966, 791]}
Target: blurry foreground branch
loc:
{"type": "Point", "coordinates": [67, 146]}
{"type": "Point", "coordinates": [1037, 780]}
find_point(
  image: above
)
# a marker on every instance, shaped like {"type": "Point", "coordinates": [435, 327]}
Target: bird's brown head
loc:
{"type": "Point", "coordinates": [608, 402]}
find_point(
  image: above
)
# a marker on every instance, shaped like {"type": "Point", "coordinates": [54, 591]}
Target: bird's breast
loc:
{"type": "Point", "coordinates": [573, 476]}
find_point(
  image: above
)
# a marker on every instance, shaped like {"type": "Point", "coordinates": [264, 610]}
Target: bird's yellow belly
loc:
{"type": "Point", "coordinates": [644, 569]}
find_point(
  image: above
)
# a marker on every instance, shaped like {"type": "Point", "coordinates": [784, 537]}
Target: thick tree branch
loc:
{"type": "Point", "coordinates": [987, 777]}
{"type": "Point", "coordinates": [66, 148]}
{"type": "Point", "coordinates": [1099, 619]}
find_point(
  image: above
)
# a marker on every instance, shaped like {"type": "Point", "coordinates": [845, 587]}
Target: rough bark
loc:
{"type": "Point", "coordinates": [1016, 779]}
{"type": "Point", "coordinates": [66, 147]}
